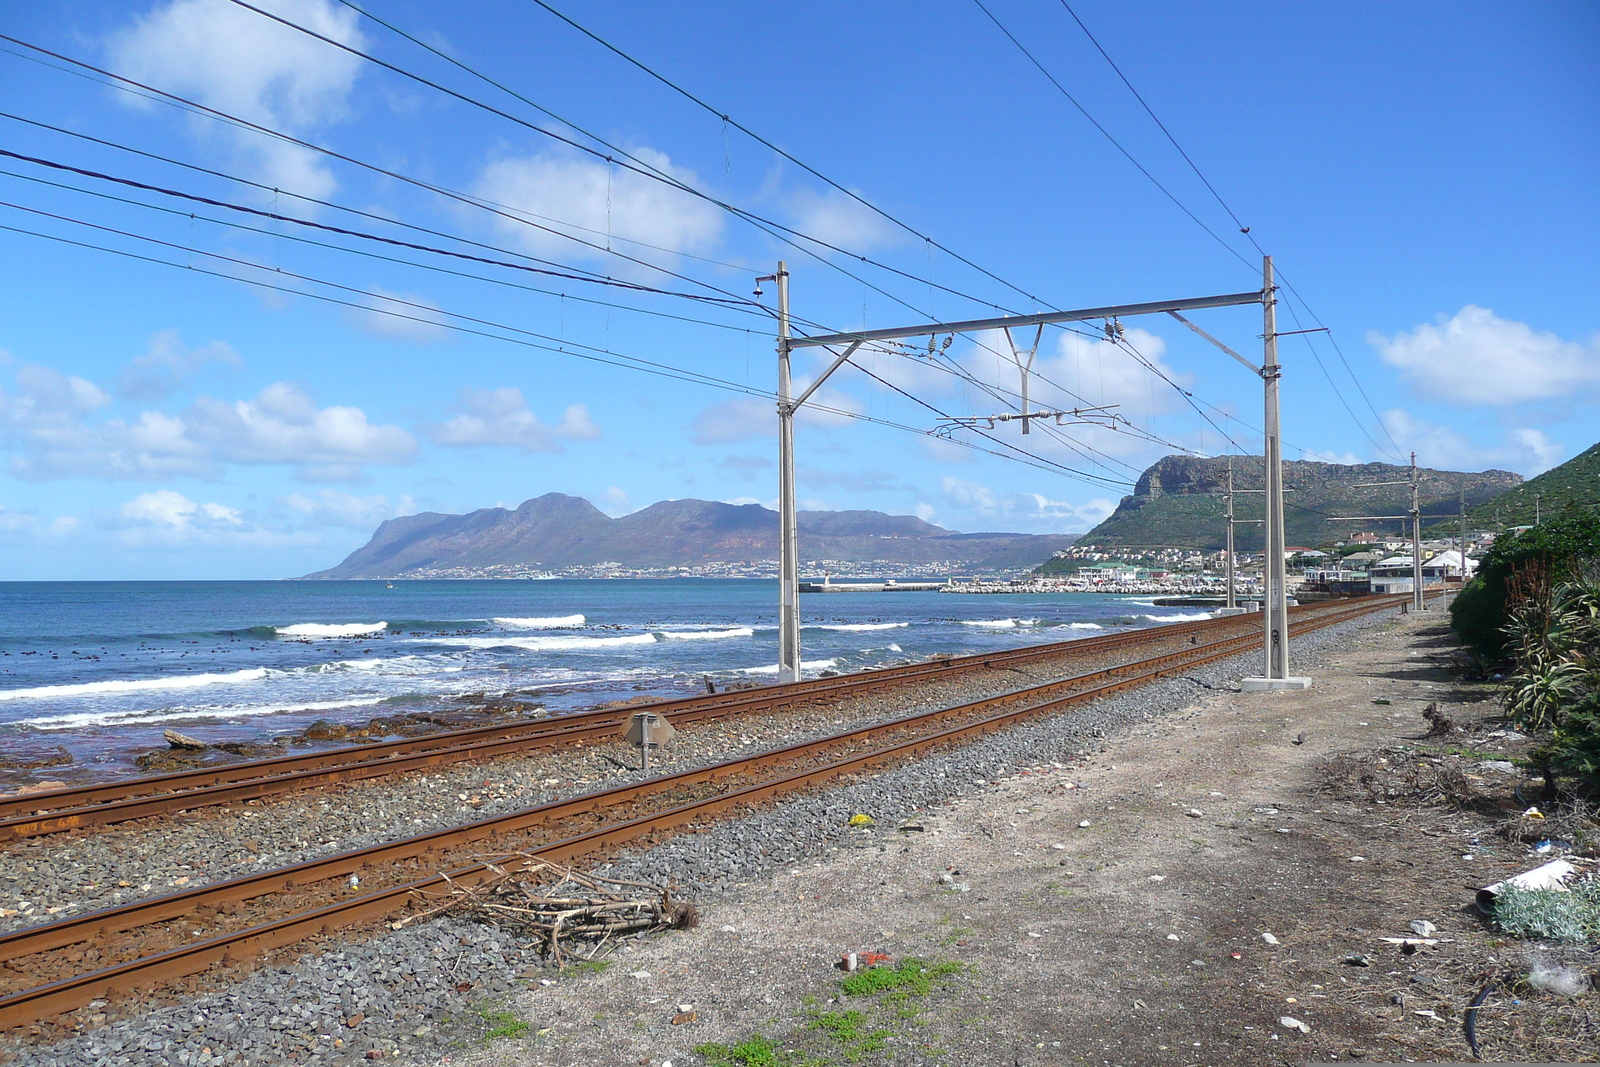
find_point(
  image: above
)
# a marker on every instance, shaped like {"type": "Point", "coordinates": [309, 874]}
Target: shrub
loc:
{"type": "Point", "coordinates": [1480, 613]}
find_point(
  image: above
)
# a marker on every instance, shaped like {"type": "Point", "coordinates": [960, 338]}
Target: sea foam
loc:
{"type": "Point", "coordinates": [553, 643]}
{"type": "Point", "coordinates": [331, 629]}
{"type": "Point", "coordinates": [550, 622]}
{"type": "Point", "coordinates": [82, 719]}
{"type": "Point", "coordinates": [805, 665]}
{"type": "Point", "coordinates": [999, 624]}
{"type": "Point", "coordinates": [705, 635]}
{"type": "Point", "coordinates": [132, 685]}
{"type": "Point", "coordinates": [861, 627]}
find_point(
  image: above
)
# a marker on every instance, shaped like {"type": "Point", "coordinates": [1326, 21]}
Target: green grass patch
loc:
{"type": "Point", "coordinates": [588, 967]}
{"type": "Point", "coordinates": [502, 1023]}
{"type": "Point", "coordinates": [848, 1028]}
{"type": "Point", "coordinates": [910, 977]}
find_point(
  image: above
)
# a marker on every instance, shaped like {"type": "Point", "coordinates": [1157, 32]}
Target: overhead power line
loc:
{"type": "Point", "coordinates": [428, 315]}
{"type": "Point", "coordinates": [1245, 231]}
{"type": "Point", "coordinates": [346, 232]}
{"type": "Point", "coordinates": [386, 172]}
{"type": "Point", "coordinates": [613, 155]}
{"type": "Point", "coordinates": [764, 142]}
{"type": "Point", "coordinates": [278, 236]}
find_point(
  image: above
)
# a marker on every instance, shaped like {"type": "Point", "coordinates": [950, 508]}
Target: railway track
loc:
{"type": "Point", "coordinates": [65, 810]}
{"type": "Point", "coordinates": [157, 940]}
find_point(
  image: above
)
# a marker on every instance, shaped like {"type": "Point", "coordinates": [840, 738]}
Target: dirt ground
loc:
{"type": "Point", "coordinates": [1168, 902]}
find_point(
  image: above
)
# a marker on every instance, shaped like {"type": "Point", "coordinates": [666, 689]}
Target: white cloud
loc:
{"type": "Point", "coordinates": [1027, 510]}
{"type": "Point", "coordinates": [45, 424]}
{"type": "Point", "coordinates": [284, 425]}
{"type": "Point", "coordinates": [1347, 458]}
{"type": "Point", "coordinates": [968, 495]}
{"type": "Point", "coordinates": [614, 502]}
{"type": "Point", "coordinates": [924, 511]}
{"type": "Point", "coordinates": [1476, 357]}
{"type": "Point", "coordinates": [168, 366]}
{"type": "Point", "coordinates": [582, 192]}
{"type": "Point", "coordinates": [1524, 450]}
{"type": "Point", "coordinates": [747, 418]}
{"type": "Point", "coordinates": [239, 62]}
{"type": "Point", "coordinates": [500, 417]}
{"type": "Point", "coordinates": [403, 316]}
{"type": "Point", "coordinates": [331, 507]}
{"type": "Point", "coordinates": [841, 221]}
{"type": "Point", "coordinates": [171, 510]}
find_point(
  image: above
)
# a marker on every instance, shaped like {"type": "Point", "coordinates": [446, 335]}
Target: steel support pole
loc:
{"type": "Point", "coordinates": [788, 524]}
{"type": "Point", "coordinates": [1417, 600]}
{"type": "Point", "coordinates": [1233, 600]}
{"type": "Point", "coordinates": [1276, 605]}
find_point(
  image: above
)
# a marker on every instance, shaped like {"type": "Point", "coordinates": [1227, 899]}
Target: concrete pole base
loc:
{"type": "Point", "coordinates": [1257, 685]}
{"type": "Point", "coordinates": [1220, 612]}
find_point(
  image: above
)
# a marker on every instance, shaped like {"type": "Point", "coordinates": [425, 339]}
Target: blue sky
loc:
{"type": "Point", "coordinates": [1423, 175]}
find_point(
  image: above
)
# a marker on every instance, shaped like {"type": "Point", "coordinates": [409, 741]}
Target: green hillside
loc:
{"type": "Point", "coordinates": [1178, 503]}
{"type": "Point", "coordinates": [1577, 481]}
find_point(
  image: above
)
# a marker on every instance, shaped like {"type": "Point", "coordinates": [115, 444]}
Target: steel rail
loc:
{"type": "Point", "coordinates": [64, 810]}
{"type": "Point", "coordinates": [65, 995]}
{"type": "Point", "coordinates": [177, 905]}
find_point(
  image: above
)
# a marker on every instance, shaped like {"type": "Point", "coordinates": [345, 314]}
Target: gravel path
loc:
{"type": "Point", "coordinates": [417, 994]}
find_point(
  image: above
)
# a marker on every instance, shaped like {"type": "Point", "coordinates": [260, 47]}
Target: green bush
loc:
{"type": "Point", "coordinates": [1479, 614]}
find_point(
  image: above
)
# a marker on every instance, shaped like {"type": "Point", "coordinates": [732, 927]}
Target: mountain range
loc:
{"type": "Point", "coordinates": [1178, 501]}
{"type": "Point", "coordinates": [555, 532]}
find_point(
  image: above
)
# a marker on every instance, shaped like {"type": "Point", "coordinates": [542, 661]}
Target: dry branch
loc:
{"type": "Point", "coordinates": [563, 910]}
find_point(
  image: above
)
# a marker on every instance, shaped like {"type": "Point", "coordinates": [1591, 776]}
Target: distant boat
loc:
{"type": "Point", "coordinates": [388, 585]}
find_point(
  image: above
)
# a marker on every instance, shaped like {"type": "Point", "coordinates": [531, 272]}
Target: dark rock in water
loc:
{"type": "Point", "coordinates": [323, 730]}
{"type": "Point", "coordinates": [162, 760]}
{"type": "Point", "coordinates": [58, 758]}
{"type": "Point", "coordinates": [184, 741]}
{"type": "Point", "coordinates": [248, 749]}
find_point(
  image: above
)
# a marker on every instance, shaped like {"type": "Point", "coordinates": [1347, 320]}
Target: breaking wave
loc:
{"type": "Point", "coordinates": [331, 629]}
{"type": "Point", "coordinates": [554, 643]}
{"type": "Point", "coordinates": [705, 635]}
{"type": "Point", "coordinates": [860, 627]}
{"type": "Point", "coordinates": [1085, 626]}
{"type": "Point", "coordinates": [549, 622]}
{"type": "Point", "coordinates": [82, 719]}
{"type": "Point", "coordinates": [805, 665]}
{"type": "Point", "coordinates": [999, 624]}
{"type": "Point", "coordinates": [133, 685]}
{"type": "Point", "coordinates": [1177, 618]}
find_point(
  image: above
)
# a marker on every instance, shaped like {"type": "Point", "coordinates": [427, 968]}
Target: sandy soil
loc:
{"type": "Point", "coordinates": [1140, 938]}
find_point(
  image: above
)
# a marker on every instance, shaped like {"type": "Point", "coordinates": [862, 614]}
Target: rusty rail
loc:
{"type": "Point", "coordinates": [58, 811]}
{"type": "Point", "coordinates": [67, 994]}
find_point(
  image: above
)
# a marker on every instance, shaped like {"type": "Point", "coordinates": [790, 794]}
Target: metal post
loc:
{"type": "Point", "coordinates": [788, 524]}
{"type": "Point", "coordinates": [1463, 535]}
{"type": "Point", "coordinates": [1416, 541]}
{"type": "Point", "coordinates": [1276, 606]}
{"type": "Point", "coordinates": [1233, 601]}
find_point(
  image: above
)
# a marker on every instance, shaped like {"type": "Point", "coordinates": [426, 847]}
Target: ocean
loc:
{"type": "Point", "coordinates": [100, 669]}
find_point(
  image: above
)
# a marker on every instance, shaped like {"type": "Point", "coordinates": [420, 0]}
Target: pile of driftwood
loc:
{"type": "Point", "coordinates": [569, 914]}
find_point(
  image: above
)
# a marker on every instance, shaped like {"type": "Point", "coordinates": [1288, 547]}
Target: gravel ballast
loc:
{"type": "Point", "coordinates": [416, 994]}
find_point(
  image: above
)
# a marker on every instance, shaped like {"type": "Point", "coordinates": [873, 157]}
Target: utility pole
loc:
{"type": "Point", "coordinates": [1536, 509]}
{"type": "Point", "coordinates": [1275, 597]}
{"type": "Point", "coordinates": [1463, 535]}
{"type": "Point", "coordinates": [1233, 602]}
{"type": "Point", "coordinates": [788, 523]}
{"type": "Point", "coordinates": [1417, 599]}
